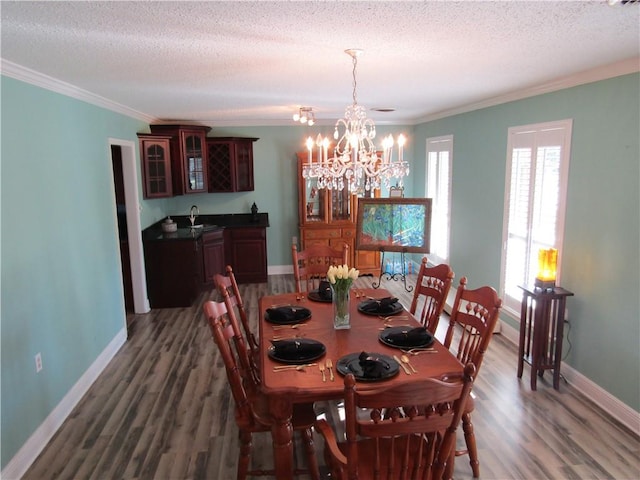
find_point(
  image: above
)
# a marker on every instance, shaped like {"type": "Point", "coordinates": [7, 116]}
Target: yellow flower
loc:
{"type": "Point", "coordinates": [342, 275]}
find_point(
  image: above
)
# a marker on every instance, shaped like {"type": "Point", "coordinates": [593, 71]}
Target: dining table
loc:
{"type": "Point", "coordinates": [289, 386]}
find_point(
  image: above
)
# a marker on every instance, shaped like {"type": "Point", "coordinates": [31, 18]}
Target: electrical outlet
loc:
{"type": "Point", "coordinates": [294, 240]}
{"type": "Point", "coordinates": [38, 362]}
{"type": "Point", "coordinates": [566, 314]}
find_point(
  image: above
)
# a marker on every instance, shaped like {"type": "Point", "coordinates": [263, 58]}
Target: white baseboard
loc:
{"type": "Point", "coordinates": [27, 454]}
{"type": "Point", "coordinates": [279, 269]}
{"type": "Point", "coordinates": [610, 404]}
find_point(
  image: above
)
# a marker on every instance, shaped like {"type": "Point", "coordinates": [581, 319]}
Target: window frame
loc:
{"type": "Point", "coordinates": [439, 142]}
{"type": "Point", "coordinates": [511, 303]}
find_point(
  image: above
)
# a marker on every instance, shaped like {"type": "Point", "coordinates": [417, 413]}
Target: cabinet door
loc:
{"type": "Point", "coordinates": [243, 171]}
{"type": "Point", "coordinates": [194, 164]}
{"type": "Point", "coordinates": [212, 255]}
{"type": "Point", "coordinates": [246, 252]}
{"type": "Point", "coordinates": [156, 167]}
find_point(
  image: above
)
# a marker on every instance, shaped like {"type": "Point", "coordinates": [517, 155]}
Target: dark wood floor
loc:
{"type": "Point", "coordinates": [162, 410]}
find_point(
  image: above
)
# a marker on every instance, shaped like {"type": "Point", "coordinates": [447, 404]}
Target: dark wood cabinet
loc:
{"type": "Point", "coordinates": [230, 164]}
{"type": "Point", "coordinates": [174, 272]}
{"type": "Point", "coordinates": [212, 256]}
{"type": "Point", "coordinates": [246, 252]}
{"type": "Point", "coordinates": [155, 153]}
{"type": "Point", "coordinates": [188, 156]}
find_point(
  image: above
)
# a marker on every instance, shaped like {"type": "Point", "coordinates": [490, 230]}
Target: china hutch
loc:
{"type": "Point", "coordinates": [328, 217]}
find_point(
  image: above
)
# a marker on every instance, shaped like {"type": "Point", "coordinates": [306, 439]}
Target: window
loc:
{"type": "Point", "coordinates": [536, 187]}
{"type": "Point", "coordinates": [438, 188]}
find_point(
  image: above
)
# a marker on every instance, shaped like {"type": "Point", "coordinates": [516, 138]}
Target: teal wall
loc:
{"type": "Point", "coordinates": [601, 254]}
{"type": "Point", "coordinates": [61, 288]}
{"type": "Point", "coordinates": [61, 282]}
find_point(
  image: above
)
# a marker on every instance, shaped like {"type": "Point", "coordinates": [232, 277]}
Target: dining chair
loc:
{"type": "Point", "coordinates": [311, 264]}
{"type": "Point", "coordinates": [251, 406]}
{"type": "Point", "coordinates": [404, 441]}
{"type": "Point", "coordinates": [474, 313]}
{"type": "Point", "coordinates": [431, 290]}
{"type": "Point", "coordinates": [228, 289]}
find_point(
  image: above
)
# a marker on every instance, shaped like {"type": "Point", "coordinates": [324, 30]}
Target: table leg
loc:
{"type": "Point", "coordinates": [282, 436]}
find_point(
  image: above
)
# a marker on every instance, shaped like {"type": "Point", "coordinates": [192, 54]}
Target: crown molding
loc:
{"type": "Point", "coordinates": [38, 79]}
{"type": "Point", "coordinates": [605, 72]}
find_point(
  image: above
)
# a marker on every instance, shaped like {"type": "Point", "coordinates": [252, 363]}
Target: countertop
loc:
{"type": "Point", "coordinates": [209, 223]}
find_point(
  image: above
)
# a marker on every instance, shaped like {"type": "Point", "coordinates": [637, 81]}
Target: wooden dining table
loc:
{"type": "Point", "coordinates": [284, 389]}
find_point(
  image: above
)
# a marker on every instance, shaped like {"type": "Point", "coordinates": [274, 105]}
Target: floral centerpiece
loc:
{"type": "Point", "coordinates": [341, 278]}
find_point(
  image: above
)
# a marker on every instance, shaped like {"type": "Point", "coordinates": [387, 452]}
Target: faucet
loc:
{"type": "Point", "coordinates": [192, 215]}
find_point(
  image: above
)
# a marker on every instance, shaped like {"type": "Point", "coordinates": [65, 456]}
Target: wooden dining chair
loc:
{"type": "Point", "coordinates": [474, 316]}
{"type": "Point", "coordinates": [251, 406]}
{"type": "Point", "coordinates": [404, 441]}
{"type": "Point", "coordinates": [311, 264]}
{"type": "Point", "coordinates": [228, 289]}
{"type": "Point", "coordinates": [430, 293]}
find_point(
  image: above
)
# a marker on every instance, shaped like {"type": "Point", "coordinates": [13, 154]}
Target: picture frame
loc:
{"type": "Point", "coordinates": [394, 225]}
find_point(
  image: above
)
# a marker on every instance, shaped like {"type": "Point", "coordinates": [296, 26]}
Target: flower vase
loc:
{"type": "Point", "coordinates": [340, 295]}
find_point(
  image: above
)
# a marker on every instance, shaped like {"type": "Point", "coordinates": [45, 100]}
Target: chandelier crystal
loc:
{"type": "Point", "coordinates": [355, 163]}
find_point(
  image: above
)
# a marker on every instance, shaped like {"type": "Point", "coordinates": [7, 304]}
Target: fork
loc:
{"type": "Point", "coordinates": [329, 364]}
{"type": "Point", "coordinates": [282, 368]}
{"type": "Point", "coordinates": [321, 367]}
{"type": "Point", "coordinates": [418, 351]}
{"type": "Point", "coordinates": [284, 327]}
{"type": "Point", "coordinates": [286, 337]}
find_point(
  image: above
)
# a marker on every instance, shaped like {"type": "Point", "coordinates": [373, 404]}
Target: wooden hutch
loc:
{"type": "Point", "coordinates": [328, 217]}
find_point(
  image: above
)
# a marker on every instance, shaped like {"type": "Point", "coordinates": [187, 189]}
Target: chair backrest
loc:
{"type": "Point", "coordinates": [245, 343]}
{"type": "Point", "coordinates": [228, 288]}
{"type": "Point", "coordinates": [226, 338]}
{"type": "Point", "coordinates": [431, 290]}
{"type": "Point", "coordinates": [400, 439]}
{"type": "Point", "coordinates": [311, 264]}
{"type": "Point", "coordinates": [476, 312]}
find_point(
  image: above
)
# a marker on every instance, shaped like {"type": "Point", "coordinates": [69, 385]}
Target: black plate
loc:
{"type": "Point", "coordinates": [351, 364]}
{"type": "Point", "coordinates": [315, 296]}
{"type": "Point", "coordinates": [304, 314]}
{"type": "Point", "coordinates": [395, 309]}
{"type": "Point", "coordinates": [303, 357]}
{"type": "Point", "coordinates": [384, 338]}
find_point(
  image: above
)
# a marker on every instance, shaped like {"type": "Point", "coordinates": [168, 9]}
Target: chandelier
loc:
{"type": "Point", "coordinates": [305, 116]}
{"type": "Point", "coordinates": [355, 163]}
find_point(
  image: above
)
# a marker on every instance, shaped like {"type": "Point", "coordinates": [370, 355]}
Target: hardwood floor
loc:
{"type": "Point", "coordinates": [162, 410]}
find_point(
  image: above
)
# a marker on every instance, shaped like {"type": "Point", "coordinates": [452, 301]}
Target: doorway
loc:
{"type": "Point", "coordinates": [125, 181]}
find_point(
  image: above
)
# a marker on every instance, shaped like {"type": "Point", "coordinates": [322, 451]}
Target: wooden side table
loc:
{"type": "Point", "coordinates": [541, 331]}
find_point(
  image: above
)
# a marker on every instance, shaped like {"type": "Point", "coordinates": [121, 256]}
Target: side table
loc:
{"type": "Point", "coordinates": [541, 331]}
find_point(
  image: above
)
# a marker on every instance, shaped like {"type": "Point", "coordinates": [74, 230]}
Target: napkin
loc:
{"type": "Point", "coordinates": [324, 290]}
{"type": "Point", "coordinates": [371, 366]}
{"type": "Point", "coordinates": [287, 314]}
{"type": "Point", "coordinates": [382, 305]}
{"type": "Point", "coordinates": [296, 349]}
{"type": "Point", "coordinates": [410, 337]}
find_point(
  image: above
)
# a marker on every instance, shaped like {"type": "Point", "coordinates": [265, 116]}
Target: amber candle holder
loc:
{"type": "Point", "coordinates": [547, 268]}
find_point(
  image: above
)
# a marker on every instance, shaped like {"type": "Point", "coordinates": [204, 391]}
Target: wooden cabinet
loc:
{"type": "Point", "coordinates": [155, 152]}
{"type": "Point", "coordinates": [230, 164]}
{"type": "Point", "coordinates": [246, 251]}
{"type": "Point", "coordinates": [328, 217]}
{"type": "Point", "coordinates": [188, 156]}
{"type": "Point", "coordinates": [212, 255]}
{"type": "Point", "coordinates": [174, 272]}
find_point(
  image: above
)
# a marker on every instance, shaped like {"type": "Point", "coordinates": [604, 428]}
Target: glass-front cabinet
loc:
{"type": "Point", "coordinates": [328, 217]}
{"type": "Point", "coordinates": [155, 152]}
{"type": "Point", "coordinates": [188, 152]}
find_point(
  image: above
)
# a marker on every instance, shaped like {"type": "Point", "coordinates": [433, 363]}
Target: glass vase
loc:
{"type": "Point", "coordinates": [340, 297]}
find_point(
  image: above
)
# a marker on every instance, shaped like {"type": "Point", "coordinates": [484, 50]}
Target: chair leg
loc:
{"type": "Point", "coordinates": [245, 455]}
{"type": "Point", "coordinates": [312, 461]}
{"type": "Point", "coordinates": [470, 440]}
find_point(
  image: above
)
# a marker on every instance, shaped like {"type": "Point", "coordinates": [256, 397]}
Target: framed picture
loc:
{"type": "Point", "coordinates": [394, 224]}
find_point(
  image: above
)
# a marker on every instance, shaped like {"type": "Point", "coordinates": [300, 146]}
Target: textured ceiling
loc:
{"type": "Point", "coordinates": [251, 63]}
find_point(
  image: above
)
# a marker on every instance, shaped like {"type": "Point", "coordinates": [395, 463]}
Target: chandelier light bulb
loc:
{"type": "Point", "coordinates": [296, 117]}
{"type": "Point", "coordinates": [303, 118]}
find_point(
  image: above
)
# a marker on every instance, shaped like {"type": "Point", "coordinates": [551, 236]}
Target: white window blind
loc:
{"type": "Point", "coordinates": [438, 188]}
{"type": "Point", "coordinates": [536, 186]}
